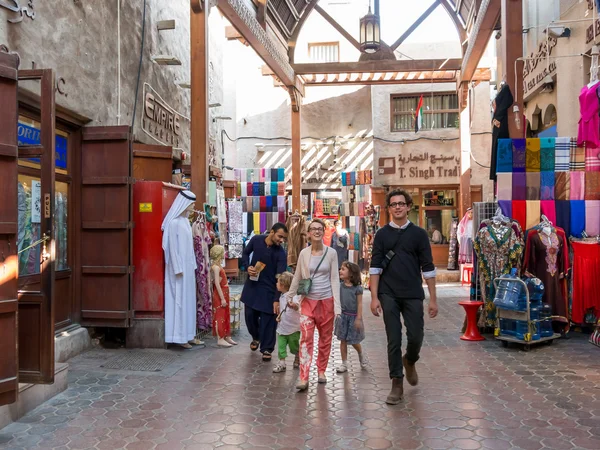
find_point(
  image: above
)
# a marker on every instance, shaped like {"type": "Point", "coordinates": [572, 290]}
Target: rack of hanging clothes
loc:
{"type": "Point", "coordinates": [297, 237]}
{"type": "Point", "coordinates": [498, 245]}
{"type": "Point", "coordinates": [585, 281]}
{"type": "Point", "coordinates": [202, 244]}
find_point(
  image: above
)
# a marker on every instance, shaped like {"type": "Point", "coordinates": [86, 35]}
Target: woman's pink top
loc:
{"type": "Point", "coordinates": [589, 122]}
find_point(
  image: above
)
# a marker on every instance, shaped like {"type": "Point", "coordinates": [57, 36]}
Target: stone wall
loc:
{"type": "Point", "coordinates": [78, 39]}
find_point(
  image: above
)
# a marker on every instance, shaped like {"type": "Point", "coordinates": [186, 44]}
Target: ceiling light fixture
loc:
{"type": "Point", "coordinates": [370, 39]}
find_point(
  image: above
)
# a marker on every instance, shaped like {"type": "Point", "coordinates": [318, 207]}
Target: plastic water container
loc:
{"type": "Point", "coordinates": [535, 288]}
{"type": "Point", "coordinates": [522, 328]}
{"type": "Point", "coordinates": [546, 322]}
{"type": "Point", "coordinates": [507, 327]}
{"type": "Point", "coordinates": [508, 292]}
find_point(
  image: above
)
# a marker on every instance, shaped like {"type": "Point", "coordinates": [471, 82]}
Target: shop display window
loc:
{"type": "Point", "coordinates": [29, 200]}
{"type": "Point", "coordinates": [29, 224]}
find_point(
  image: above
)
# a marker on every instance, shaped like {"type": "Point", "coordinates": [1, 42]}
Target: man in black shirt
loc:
{"type": "Point", "coordinates": [401, 253]}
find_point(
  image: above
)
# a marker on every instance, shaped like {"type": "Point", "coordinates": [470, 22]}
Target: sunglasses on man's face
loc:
{"type": "Point", "coordinates": [398, 205]}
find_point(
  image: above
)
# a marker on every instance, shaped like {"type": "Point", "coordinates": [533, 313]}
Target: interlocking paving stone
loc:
{"type": "Point", "coordinates": [472, 395]}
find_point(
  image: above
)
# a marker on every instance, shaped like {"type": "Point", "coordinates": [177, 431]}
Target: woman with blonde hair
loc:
{"type": "Point", "coordinates": [318, 282]}
{"type": "Point", "coordinates": [220, 298]}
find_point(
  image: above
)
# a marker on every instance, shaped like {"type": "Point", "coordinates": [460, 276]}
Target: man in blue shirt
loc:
{"type": "Point", "coordinates": [261, 296]}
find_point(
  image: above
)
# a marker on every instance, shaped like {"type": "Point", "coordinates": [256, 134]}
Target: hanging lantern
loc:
{"type": "Point", "coordinates": [369, 32]}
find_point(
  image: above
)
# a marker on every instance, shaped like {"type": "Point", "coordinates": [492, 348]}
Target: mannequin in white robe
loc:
{"type": "Point", "coordinates": [180, 276]}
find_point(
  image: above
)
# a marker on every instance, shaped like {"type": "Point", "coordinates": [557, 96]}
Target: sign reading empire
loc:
{"type": "Point", "coordinates": [159, 120]}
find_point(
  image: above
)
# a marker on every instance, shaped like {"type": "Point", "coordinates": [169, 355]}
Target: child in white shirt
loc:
{"type": "Point", "coordinates": [288, 329]}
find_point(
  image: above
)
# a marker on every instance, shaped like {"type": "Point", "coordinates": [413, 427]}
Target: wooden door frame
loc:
{"type": "Point", "coordinates": [42, 370]}
{"type": "Point", "coordinates": [9, 226]}
{"type": "Point", "coordinates": [69, 122]}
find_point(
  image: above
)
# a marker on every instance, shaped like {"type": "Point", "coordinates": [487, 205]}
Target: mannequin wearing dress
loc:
{"type": "Point", "coordinates": [180, 272]}
{"type": "Point", "coordinates": [501, 105]}
{"type": "Point", "coordinates": [220, 298]}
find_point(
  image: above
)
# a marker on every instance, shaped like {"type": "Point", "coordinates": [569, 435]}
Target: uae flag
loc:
{"type": "Point", "coordinates": [419, 115]}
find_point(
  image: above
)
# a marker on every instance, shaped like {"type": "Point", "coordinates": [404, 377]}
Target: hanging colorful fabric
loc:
{"type": "Point", "coordinates": [562, 151]}
{"type": "Point", "coordinates": [504, 156]}
{"type": "Point", "coordinates": [532, 155]}
{"type": "Point", "coordinates": [518, 156]}
{"type": "Point", "coordinates": [592, 159]}
{"type": "Point", "coordinates": [577, 156]}
{"type": "Point", "coordinates": [547, 157]}
{"type": "Point", "coordinates": [547, 186]}
{"type": "Point", "coordinates": [562, 185]}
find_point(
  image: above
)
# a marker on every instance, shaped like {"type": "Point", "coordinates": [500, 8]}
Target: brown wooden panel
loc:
{"type": "Point", "coordinates": [105, 269]}
{"type": "Point", "coordinates": [31, 151]}
{"type": "Point", "coordinates": [36, 309]}
{"type": "Point", "coordinates": [152, 162]}
{"type": "Point", "coordinates": [63, 309]}
{"type": "Point", "coordinates": [105, 237]}
{"type": "Point", "coordinates": [8, 227]}
{"type": "Point", "coordinates": [106, 180]}
{"type": "Point", "coordinates": [31, 306]}
{"type": "Point", "coordinates": [8, 150]}
{"type": "Point", "coordinates": [9, 356]}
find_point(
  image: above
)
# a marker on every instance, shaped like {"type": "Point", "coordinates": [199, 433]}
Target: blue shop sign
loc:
{"type": "Point", "coordinates": [31, 136]}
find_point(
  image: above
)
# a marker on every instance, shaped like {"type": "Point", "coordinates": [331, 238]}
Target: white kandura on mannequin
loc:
{"type": "Point", "coordinates": [180, 272]}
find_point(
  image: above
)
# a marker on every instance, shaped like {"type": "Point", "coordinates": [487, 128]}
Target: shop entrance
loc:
{"type": "Point", "coordinates": [433, 209]}
{"type": "Point", "coordinates": [31, 308]}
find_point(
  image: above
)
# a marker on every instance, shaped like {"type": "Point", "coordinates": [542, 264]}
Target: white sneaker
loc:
{"type": "Point", "coordinates": [363, 361]}
{"type": "Point", "coordinates": [280, 367]}
{"type": "Point", "coordinates": [342, 368]}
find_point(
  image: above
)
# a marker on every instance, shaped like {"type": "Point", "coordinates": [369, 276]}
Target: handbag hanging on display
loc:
{"type": "Point", "coordinates": [305, 285]}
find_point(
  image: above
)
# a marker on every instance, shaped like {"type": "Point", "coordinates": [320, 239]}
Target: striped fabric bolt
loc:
{"type": "Point", "coordinates": [562, 154]}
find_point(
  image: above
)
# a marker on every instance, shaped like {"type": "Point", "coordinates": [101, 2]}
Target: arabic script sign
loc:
{"type": "Point", "coordinates": [537, 67]}
{"type": "Point", "coordinates": [160, 121]}
{"type": "Point", "coordinates": [15, 6]}
{"type": "Point", "coordinates": [425, 166]}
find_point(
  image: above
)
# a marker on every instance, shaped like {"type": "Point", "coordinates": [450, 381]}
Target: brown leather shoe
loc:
{"type": "Point", "coordinates": [395, 395]}
{"type": "Point", "coordinates": [410, 372]}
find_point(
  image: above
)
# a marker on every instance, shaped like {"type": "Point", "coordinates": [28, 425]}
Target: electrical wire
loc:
{"type": "Point", "coordinates": [364, 136]}
{"type": "Point", "coordinates": [137, 84]}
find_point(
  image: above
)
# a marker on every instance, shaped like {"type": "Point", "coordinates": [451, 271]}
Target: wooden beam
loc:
{"type": "Point", "coordinates": [338, 27]}
{"type": "Point", "coordinates": [199, 101]}
{"type": "Point", "coordinates": [415, 25]}
{"type": "Point", "coordinates": [511, 51]}
{"type": "Point", "coordinates": [231, 34]}
{"type": "Point", "coordinates": [487, 17]}
{"type": "Point", "coordinates": [245, 21]}
{"type": "Point", "coordinates": [414, 65]}
{"type": "Point", "coordinates": [296, 158]}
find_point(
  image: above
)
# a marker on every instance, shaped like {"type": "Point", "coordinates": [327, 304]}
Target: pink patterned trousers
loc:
{"type": "Point", "coordinates": [319, 314]}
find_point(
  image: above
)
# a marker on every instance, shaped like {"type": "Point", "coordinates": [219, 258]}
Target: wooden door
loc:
{"type": "Point", "coordinates": [106, 198]}
{"type": "Point", "coordinates": [36, 308]}
{"type": "Point", "coordinates": [9, 381]}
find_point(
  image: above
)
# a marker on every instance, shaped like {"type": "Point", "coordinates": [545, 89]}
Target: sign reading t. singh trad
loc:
{"type": "Point", "coordinates": [161, 122]}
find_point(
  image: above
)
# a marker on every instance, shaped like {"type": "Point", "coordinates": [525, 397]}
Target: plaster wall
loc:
{"type": "Point", "coordinates": [481, 140]}
{"type": "Point", "coordinates": [418, 167]}
{"type": "Point", "coordinates": [571, 74]}
{"type": "Point", "coordinates": [79, 40]}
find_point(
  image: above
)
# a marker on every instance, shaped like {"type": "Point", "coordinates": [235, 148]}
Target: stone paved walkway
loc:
{"type": "Point", "coordinates": [471, 395]}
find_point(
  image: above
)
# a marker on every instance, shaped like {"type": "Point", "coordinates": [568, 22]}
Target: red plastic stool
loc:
{"type": "Point", "coordinates": [468, 270]}
{"type": "Point", "coordinates": [471, 332]}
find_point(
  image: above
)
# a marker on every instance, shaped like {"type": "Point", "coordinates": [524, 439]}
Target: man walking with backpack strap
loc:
{"type": "Point", "coordinates": [401, 258]}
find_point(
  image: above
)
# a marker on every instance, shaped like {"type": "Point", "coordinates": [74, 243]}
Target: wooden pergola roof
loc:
{"type": "Point", "coordinates": [369, 78]}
